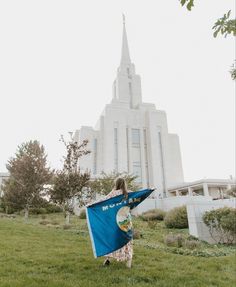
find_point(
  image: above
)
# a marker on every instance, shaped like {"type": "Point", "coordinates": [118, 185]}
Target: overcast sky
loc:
{"type": "Point", "coordinates": [58, 60]}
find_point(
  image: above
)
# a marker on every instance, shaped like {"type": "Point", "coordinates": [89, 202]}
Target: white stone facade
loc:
{"type": "Point", "coordinates": [132, 136]}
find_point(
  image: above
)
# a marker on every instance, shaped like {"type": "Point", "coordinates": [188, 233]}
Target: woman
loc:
{"type": "Point", "coordinates": [125, 253]}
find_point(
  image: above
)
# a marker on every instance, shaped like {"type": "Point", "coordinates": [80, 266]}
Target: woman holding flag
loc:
{"type": "Point", "coordinates": [125, 253]}
{"type": "Point", "coordinates": [110, 225]}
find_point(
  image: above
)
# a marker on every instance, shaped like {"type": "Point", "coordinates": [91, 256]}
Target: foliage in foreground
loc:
{"type": "Point", "coordinates": [224, 26]}
{"type": "Point", "coordinates": [177, 218]}
{"type": "Point", "coordinates": [222, 224]}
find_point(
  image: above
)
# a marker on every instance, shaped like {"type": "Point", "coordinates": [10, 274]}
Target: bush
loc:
{"type": "Point", "coordinates": [222, 224]}
{"type": "Point", "coordinates": [82, 214]}
{"type": "Point", "coordinates": [37, 210]}
{"type": "Point", "coordinates": [192, 237]}
{"type": "Point", "coordinates": [2, 208]}
{"type": "Point", "coordinates": [175, 240]}
{"type": "Point", "coordinates": [192, 244]}
{"type": "Point", "coordinates": [48, 208]}
{"type": "Point", "coordinates": [153, 214]}
{"type": "Point", "coordinates": [44, 222]}
{"type": "Point", "coordinates": [137, 234]}
{"type": "Point", "coordinates": [7, 215]}
{"type": "Point", "coordinates": [47, 222]}
{"type": "Point", "coordinates": [177, 218]}
{"type": "Point", "coordinates": [7, 208]}
{"type": "Point", "coordinates": [66, 226]}
{"type": "Point", "coordinates": [52, 208]}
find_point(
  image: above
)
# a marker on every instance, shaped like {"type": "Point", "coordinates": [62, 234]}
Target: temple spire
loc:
{"type": "Point", "coordinates": [125, 58]}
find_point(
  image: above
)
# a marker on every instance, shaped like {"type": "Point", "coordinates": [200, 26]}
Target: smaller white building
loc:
{"type": "Point", "coordinates": [202, 191]}
{"type": "Point", "coordinates": [215, 188]}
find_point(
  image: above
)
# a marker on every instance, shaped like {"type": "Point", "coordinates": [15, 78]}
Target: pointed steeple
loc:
{"type": "Point", "coordinates": [125, 58]}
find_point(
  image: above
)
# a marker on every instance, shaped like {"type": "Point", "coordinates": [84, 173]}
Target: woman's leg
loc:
{"type": "Point", "coordinates": [129, 263]}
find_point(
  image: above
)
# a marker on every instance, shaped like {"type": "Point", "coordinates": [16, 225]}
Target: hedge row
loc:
{"type": "Point", "coordinates": [175, 218]}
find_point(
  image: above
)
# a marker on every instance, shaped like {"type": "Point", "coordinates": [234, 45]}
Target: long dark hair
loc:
{"type": "Point", "coordinates": [120, 183]}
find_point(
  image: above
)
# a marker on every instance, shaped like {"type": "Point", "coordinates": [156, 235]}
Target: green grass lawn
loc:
{"type": "Point", "coordinates": [32, 254]}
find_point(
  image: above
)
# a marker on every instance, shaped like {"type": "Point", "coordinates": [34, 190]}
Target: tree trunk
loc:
{"type": "Point", "coordinates": [67, 217]}
{"type": "Point", "coordinates": [26, 213]}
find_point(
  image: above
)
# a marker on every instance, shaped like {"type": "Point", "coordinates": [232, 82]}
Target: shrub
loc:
{"type": "Point", "coordinates": [66, 226]}
{"type": "Point", "coordinates": [222, 224]}
{"type": "Point", "coordinates": [137, 234]}
{"type": "Point", "coordinates": [7, 208]}
{"type": "Point", "coordinates": [47, 222]}
{"type": "Point", "coordinates": [192, 237]}
{"type": "Point", "coordinates": [53, 208]}
{"type": "Point", "coordinates": [192, 244]}
{"type": "Point", "coordinates": [82, 214]}
{"type": "Point", "coordinates": [47, 208]}
{"type": "Point", "coordinates": [7, 215]}
{"type": "Point", "coordinates": [54, 222]}
{"type": "Point", "coordinates": [37, 210]}
{"type": "Point", "coordinates": [153, 214]}
{"type": "Point", "coordinates": [176, 240]}
{"type": "Point", "coordinates": [177, 218]}
{"type": "Point", "coordinates": [2, 207]}
{"type": "Point", "coordinates": [44, 222]}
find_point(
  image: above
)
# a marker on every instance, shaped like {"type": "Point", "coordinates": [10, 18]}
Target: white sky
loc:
{"type": "Point", "coordinates": [58, 60]}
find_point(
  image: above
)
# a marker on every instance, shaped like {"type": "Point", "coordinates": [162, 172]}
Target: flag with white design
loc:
{"type": "Point", "coordinates": [109, 221]}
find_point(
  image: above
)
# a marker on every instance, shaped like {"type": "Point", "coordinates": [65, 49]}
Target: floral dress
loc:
{"type": "Point", "coordinates": [126, 252]}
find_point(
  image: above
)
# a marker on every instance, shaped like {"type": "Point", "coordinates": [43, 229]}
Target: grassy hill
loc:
{"type": "Point", "coordinates": [43, 253]}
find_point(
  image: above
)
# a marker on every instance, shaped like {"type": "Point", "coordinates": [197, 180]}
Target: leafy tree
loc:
{"type": "Point", "coordinates": [225, 26]}
{"type": "Point", "coordinates": [105, 182]}
{"type": "Point", "coordinates": [28, 176]}
{"type": "Point", "coordinates": [69, 184]}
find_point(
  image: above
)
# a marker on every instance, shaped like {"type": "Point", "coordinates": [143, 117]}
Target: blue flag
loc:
{"type": "Point", "coordinates": [109, 221]}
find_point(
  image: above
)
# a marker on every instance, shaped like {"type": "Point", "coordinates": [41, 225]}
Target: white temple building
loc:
{"type": "Point", "coordinates": [132, 136]}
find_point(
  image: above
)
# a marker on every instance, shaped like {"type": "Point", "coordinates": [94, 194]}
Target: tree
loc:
{"type": "Point", "coordinates": [225, 26]}
{"type": "Point", "coordinates": [104, 184]}
{"type": "Point", "coordinates": [69, 184]}
{"type": "Point", "coordinates": [28, 176]}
